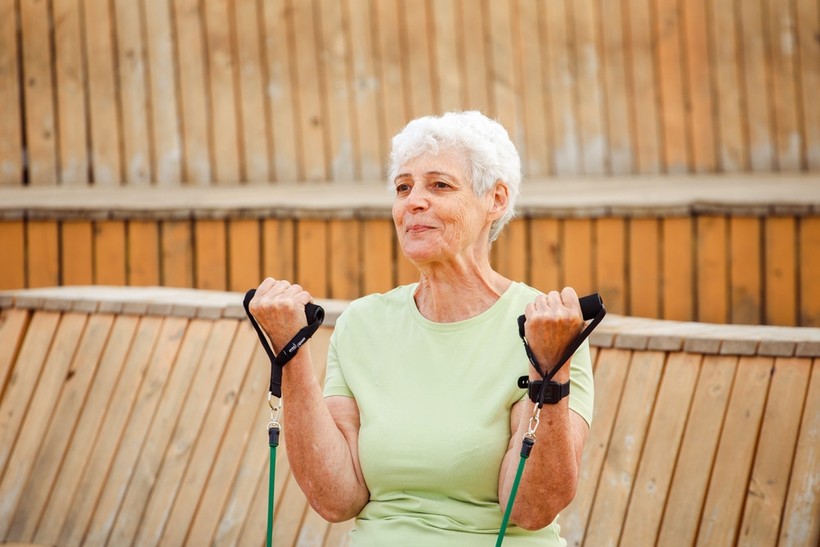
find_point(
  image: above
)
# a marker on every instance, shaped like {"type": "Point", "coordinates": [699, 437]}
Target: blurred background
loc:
{"type": "Point", "coordinates": [104, 103]}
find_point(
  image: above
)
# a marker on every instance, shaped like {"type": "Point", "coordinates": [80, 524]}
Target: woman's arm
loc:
{"type": "Point", "coordinates": [550, 476]}
{"type": "Point", "coordinates": [321, 434]}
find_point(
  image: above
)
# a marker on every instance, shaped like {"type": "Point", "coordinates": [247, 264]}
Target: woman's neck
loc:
{"type": "Point", "coordinates": [449, 293]}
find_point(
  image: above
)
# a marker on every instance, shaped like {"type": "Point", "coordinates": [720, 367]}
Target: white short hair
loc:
{"type": "Point", "coordinates": [491, 154]}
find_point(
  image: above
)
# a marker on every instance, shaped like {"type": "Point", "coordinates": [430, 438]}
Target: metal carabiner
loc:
{"type": "Point", "coordinates": [534, 421]}
{"type": "Point", "coordinates": [275, 410]}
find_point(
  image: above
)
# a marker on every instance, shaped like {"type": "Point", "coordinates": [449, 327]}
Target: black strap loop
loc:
{"type": "Point", "coordinates": [592, 307]}
{"type": "Point", "coordinates": [314, 314]}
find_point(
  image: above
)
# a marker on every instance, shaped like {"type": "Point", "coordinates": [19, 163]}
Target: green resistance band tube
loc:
{"type": "Point", "coordinates": [526, 448]}
{"type": "Point", "coordinates": [273, 442]}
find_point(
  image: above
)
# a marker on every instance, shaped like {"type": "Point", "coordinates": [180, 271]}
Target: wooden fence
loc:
{"type": "Point", "coordinates": [207, 92]}
{"type": "Point", "coordinates": [137, 417]}
{"type": "Point", "coordinates": [728, 250]}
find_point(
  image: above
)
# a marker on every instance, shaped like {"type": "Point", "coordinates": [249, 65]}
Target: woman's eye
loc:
{"type": "Point", "coordinates": [402, 188]}
{"type": "Point", "coordinates": [440, 184]}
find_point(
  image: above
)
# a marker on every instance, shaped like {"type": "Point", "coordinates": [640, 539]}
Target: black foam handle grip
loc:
{"type": "Point", "coordinates": [591, 306]}
{"type": "Point", "coordinates": [313, 312]}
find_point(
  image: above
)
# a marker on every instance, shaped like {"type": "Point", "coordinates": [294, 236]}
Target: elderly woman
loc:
{"type": "Point", "coordinates": [418, 430]}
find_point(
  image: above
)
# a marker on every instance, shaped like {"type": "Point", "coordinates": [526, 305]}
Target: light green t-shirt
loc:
{"type": "Point", "coordinates": [434, 401]}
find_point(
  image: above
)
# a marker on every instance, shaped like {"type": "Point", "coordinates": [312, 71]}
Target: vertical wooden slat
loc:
{"type": "Point", "coordinates": [312, 257]}
{"type": "Point", "coordinates": [589, 88]}
{"type": "Point", "coordinates": [105, 122]}
{"type": "Point", "coordinates": [610, 377]}
{"type": "Point", "coordinates": [699, 92]}
{"type": "Point", "coordinates": [473, 47]}
{"type": "Point", "coordinates": [333, 60]}
{"type": "Point", "coordinates": [143, 253]}
{"type": "Point", "coordinates": [280, 86]}
{"type": "Point", "coordinates": [11, 145]}
{"type": "Point", "coordinates": [220, 35]}
{"type": "Point", "coordinates": [800, 525]}
{"type": "Point", "coordinates": [610, 263]}
{"type": "Point", "coordinates": [774, 453]}
{"type": "Point", "coordinates": [177, 254]}
{"type": "Point", "coordinates": [509, 252]}
{"type": "Point", "coordinates": [677, 269]}
{"type": "Point", "coordinates": [377, 256]}
{"type": "Point", "coordinates": [668, 29]}
{"type": "Point", "coordinates": [546, 266]}
{"type": "Point", "coordinates": [644, 263]}
{"type": "Point", "coordinates": [416, 38]}
{"type": "Point", "coordinates": [43, 253]}
{"type": "Point", "coordinates": [109, 253]}
{"type": "Point", "coordinates": [370, 143]}
{"type": "Point", "coordinates": [210, 249]}
{"type": "Point", "coordinates": [614, 66]}
{"type": "Point", "coordinates": [732, 151]}
{"type": "Point", "coordinates": [643, 92]}
{"type": "Point", "coordinates": [278, 252]}
{"type": "Point", "coordinates": [447, 67]}
{"type": "Point", "coordinates": [77, 256]}
{"type": "Point", "coordinates": [807, 17]}
{"type": "Point", "coordinates": [560, 90]}
{"type": "Point", "coordinates": [195, 118]}
{"type": "Point", "coordinates": [70, 80]}
{"type": "Point", "coordinates": [165, 138]}
{"type": "Point", "coordinates": [730, 470]}
{"type": "Point", "coordinates": [780, 271]}
{"type": "Point", "coordinates": [535, 145]}
{"type": "Point", "coordinates": [618, 473]}
{"type": "Point", "coordinates": [745, 270]}
{"type": "Point", "coordinates": [345, 259]}
{"type": "Point", "coordinates": [755, 67]}
{"type": "Point", "coordinates": [394, 114]}
{"type": "Point", "coordinates": [712, 270]}
{"type": "Point", "coordinates": [244, 259]}
{"type": "Point", "coordinates": [577, 255]}
{"type": "Point", "coordinates": [250, 78]}
{"type": "Point", "coordinates": [13, 251]}
{"type": "Point", "coordinates": [697, 452]}
{"type": "Point", "coordinates": [779, 27]}
{"type": "Point", "coordinates": [312, 120]}
{"type": "Point", "coordinates": [95, 407]}
{"type": "Point", "coordinates": [809, 281]}
{"type": "Point", "coordinates": [36, 418]}
{"type": "Point", "coordinates": [133, 89]}
{"type": "Point", "coordinates": [504, 87]}
{"type": "Point", "coordinates": [663, 440]}
{"type": "Point", "coordinates": [406, 272]}
{"type": "Point", "coordinates": [38, 92]}
{"type": "Point", "coordinates": [55, 440]}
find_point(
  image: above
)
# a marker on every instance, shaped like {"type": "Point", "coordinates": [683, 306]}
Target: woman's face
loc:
{"type": "Point", "coordinates": [436, 213]}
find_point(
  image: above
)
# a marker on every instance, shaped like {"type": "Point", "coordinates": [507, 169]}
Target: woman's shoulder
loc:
{"type": "Point", "coordinates": [379, 304]}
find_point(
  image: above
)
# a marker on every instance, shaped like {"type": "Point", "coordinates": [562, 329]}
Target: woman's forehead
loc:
{"type": "Point", "coordinates": [448, 162]}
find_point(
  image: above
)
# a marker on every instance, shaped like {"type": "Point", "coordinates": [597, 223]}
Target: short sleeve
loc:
{"type": "Point", "coordinates": [335, 383]}
{"type": "Point", "coordinates": [582, 389]}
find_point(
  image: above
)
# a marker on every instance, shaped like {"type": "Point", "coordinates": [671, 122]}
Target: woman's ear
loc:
{"type": "Point", "coordinates": [501, 199]}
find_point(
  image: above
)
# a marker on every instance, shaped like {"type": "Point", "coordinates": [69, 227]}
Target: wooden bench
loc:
{"type": "Point", "coordinates": [137, 416]}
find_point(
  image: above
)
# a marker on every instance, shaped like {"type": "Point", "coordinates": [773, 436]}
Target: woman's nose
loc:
{"type": "Point", "coordinates": [417, 198]}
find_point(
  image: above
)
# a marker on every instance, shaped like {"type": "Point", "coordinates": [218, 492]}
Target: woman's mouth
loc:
{"type": "Point", "coordinates": [418, 228]}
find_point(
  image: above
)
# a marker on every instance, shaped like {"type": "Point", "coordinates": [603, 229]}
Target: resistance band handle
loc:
{"type": "Point", "coordinates": [314, 314]}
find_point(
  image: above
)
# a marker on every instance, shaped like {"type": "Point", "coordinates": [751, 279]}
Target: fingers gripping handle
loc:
{"type": "Point", "coordinates": [314, 314]}
{"type": "Point", "coordinates": [591, 306]}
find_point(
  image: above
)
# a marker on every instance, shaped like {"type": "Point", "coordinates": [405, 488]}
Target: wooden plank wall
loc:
{"type": "Point", "coordinates": [207, 92]}
{"type": "Point", "coordinates": [133, 416]}
{"type": "Point", "coordinates": [715, 268]}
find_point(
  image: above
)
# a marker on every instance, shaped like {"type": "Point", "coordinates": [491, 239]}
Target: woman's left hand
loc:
{"type": "Point", "coordinates": [553, 322]}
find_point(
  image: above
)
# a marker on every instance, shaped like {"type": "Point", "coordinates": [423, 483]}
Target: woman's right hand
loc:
{"type": "Point", "coordinates": [279, 308]}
